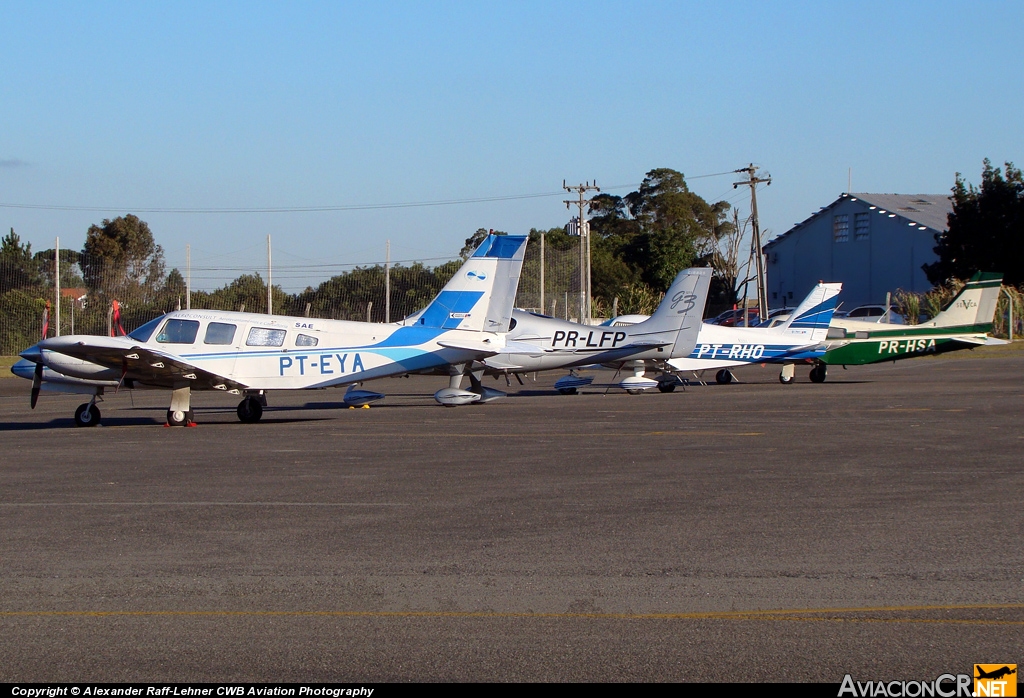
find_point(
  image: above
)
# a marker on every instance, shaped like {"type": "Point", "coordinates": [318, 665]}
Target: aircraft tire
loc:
{"type": "Point", "coordinates": [634, 392]}
{"type": "Point", "coordinates": [177, 418]}
{"type": "Point", "coordinates": [666, 387]}
{"type": "Point", "coordinates": [87, 415]}
{"type": "Point", "coordinates": [818, 374]}
{"type": "Point", "coordinates": [249, 411]}
{"type": "Point", "coordinates": [784, 380]}
{"type": "Point", "coordinates": [567, 391]}
{"type": "Point", "coordinates": [723, 377]}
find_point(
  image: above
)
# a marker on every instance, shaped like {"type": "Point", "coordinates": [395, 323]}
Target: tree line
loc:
{"type": "Point", "coordinates": [638, 243]}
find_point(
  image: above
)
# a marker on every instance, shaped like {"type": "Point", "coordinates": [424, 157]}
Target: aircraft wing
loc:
{"type": "Point", "coordinates": [155, 367]}
{"type": "Point", "coordinates": [481, 349]}
{"type": "Point", "coordinates": [979, 341]}
{"type": "Point", "coordinates": [139, 363]}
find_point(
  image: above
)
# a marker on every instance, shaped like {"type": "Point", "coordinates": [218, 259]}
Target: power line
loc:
{"type": "Point", "coordinates": [314, 209]}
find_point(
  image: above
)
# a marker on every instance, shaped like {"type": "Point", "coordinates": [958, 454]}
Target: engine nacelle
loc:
{"type": "Point", "coordinates": [453, 397]}
{"type": "Point", "coordinates": [78, 368]}
{"type": "Point", "coordinates": [359, 398]}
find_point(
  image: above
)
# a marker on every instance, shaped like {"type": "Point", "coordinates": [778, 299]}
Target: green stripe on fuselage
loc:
{"type": "Point", "coordinates": [872, 351]}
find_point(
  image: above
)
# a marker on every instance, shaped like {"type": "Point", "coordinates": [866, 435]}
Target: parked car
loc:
{"type": "Point", "coordinates": [776, 317]}
{"type": "Point", "coordinates": [734, 318]}
{"type": "Point", "coordinates": [872, 313]}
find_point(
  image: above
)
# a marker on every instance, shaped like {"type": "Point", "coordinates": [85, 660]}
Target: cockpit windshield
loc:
{"type": "Point", "coordinates": [142, 334]}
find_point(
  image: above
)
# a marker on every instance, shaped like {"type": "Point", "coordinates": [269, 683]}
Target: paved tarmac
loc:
{"type": "Point", "coordinates": [870, 525]}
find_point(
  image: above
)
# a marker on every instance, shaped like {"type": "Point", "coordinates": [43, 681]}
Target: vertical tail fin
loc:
{"type": "Point", "coordinates": [974, 305]}
{"type": "Point", "coordinates": [481, 294]}
{"type": "Point", "coordinates": [812, 317]}
{"type": "Point", "coordinates": [682, 309]}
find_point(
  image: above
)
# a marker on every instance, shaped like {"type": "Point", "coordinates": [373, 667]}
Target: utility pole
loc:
{"type": "Point", "coordinates": [542, 273]}
{"type": "Point", "coordinates": [585, 297]}
{"type": "Point", "coordinates": [387, 281]}
{"type": "Point", "coordinates": [56, 282]}
{"type": "Point", "coordinates": [270, 282]}
{"type": "Point", "coordinates": [188, 277]}
{"type": "Point", "coordinates": [762, 284]}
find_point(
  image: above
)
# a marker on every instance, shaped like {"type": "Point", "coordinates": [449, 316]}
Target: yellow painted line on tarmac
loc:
{"type": "Point", "coordinates": [790, 615]}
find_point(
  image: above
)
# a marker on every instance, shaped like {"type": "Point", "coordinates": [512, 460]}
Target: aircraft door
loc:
{"type": "Point", "coordinates": [221, 345]}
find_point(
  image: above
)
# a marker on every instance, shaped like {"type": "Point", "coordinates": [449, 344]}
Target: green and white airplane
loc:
{"type": "Point", "coordinates": [963, 324]}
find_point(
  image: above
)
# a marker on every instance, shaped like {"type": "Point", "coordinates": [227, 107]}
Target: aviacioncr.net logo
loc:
{"type": "Point", "coordinates": [945, 686]}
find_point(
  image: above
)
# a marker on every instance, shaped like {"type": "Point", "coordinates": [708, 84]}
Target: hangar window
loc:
{"type": "Point", "coordinates": [219, 333]}
{"type": "Point", "coordinates": [179, 332]}
{"type": "Point", "coordinates": [861, 226]}
{"type": "Point", "coordinates": [304, 340]}
{"type": "Point", "coordinates": [841, 228]}
{"type": "Point", "coordinates": [264, 337]}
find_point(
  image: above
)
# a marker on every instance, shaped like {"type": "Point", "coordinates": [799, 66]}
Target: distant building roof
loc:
{"type": "Point", "coordinates": [931, 210]}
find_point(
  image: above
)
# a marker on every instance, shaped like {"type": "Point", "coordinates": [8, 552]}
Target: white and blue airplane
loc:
{"type": "Point", "coordinates": [249, 354]}
{"type": "Point", "coordinates": [542, 343]}
{"type": "Point", "coordinates": [800, 339]}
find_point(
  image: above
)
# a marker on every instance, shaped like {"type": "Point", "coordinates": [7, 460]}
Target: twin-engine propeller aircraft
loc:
{"type": "Point", "coordinates": [542, 343]}
{"type": "Point", "coordinates": [249, 354]}
{"type": "Point", "coordinates": [963, 324]}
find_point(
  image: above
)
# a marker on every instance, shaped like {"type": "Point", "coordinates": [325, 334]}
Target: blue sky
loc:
{"type": "Point", "coordinates": [251, 105]}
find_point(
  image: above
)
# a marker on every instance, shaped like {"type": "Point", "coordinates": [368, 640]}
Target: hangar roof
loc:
{"type": "Point", "coordinates": [930, 210]}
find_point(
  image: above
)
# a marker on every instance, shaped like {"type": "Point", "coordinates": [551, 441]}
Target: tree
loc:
{"type": "Point", "coordinates": [656, 231]}
{"type": "Point", "coordinates": [18, 269]}
{"type": "Point", "coordinates": [120, 256]}
{"type": "Point", "coordinates": [986, 229]}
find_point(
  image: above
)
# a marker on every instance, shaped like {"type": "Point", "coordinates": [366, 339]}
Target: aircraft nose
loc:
{"type": "Point", "coordinates": [24, 369]}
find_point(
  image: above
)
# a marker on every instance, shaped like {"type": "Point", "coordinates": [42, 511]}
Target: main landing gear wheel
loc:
{"type": "Point", "coordinates": [666, 387]}
{"type": "Point", "coordinates": [180, 418]}
{"type": "Point", "coordinates": [634, 391]}
{"type": "Point", "coordinates": [250, 410]}
{"type": "Point", "coordinates": [87, 415]}
{"type": "Point", "coordinates": [567, 391]}
{"type": "Point", "coordinates": [818, 373]}
{"type": "Point", "coordinates": [723, 377]}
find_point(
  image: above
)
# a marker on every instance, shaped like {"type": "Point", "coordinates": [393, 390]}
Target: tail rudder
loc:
{"type": "Point", "coordinates": [481, 294]}
{"type": "Point", "coordinates": [681, 311]}
{"type": "Point", "coordinates": [812, 317]}
{"type": "Point", "coordinates": [975, 305]}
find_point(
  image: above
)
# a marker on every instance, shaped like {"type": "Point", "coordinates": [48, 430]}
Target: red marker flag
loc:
{"type": "Point", "coordinates": [46, 320]}
{"type": "Point", "coordinates": [117, 320]}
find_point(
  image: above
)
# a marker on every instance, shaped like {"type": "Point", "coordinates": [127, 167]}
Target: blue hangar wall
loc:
{"type": "Point", "coordinates": [872, 243]}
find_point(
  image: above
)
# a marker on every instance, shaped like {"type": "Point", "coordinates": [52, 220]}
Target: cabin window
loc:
{"type": "Point", "coordinates": [264, 337]}
{"type": "Point", "coordinates": [219, 333]}
{"type": "Point", "coordinates": [142, 334]}
{"type": "Point", "coordinates": [304, 340]}
{"type": "Point", "coordinates": [179, 332]}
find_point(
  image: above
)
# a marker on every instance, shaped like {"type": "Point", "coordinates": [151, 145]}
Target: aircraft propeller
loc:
{"type": "Point", "coordinates": [37, 382]}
